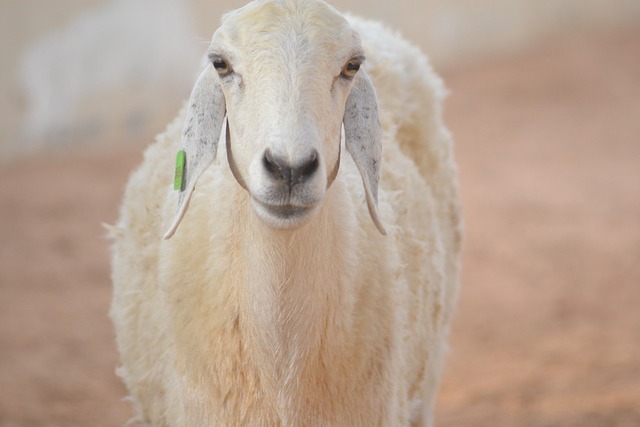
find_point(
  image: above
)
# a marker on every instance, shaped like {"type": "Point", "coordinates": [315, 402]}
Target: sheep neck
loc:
{"type": "Point", "coordinates": [294, 301]}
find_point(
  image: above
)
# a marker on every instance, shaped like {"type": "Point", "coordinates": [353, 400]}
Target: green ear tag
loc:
{"type": "Point", "coordinates": [178, 180]}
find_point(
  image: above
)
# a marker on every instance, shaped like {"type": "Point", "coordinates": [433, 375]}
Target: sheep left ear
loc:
{"type": "Point", "coordinates": [363, 139]}
{"type": "Point", "coordinates": [203, 123]}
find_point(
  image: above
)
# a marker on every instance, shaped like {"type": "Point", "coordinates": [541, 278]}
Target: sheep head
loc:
{"type": "Point", "coordinates": [287, 75]}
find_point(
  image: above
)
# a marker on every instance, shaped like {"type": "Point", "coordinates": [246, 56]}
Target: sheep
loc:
{"type": "Point", "coordinates": [276, 298]}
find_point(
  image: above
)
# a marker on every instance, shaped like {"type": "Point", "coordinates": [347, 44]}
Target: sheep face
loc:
{"type": "Point", "coordinates": [281, 72]}
{"type": "Point", "coordinates": [287, 75]}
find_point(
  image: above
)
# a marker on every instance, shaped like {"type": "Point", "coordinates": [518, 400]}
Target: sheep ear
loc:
{"type": "Point", "coordinates": [203, 123]}
{"type": "Point", "coordinates": [363, 139]}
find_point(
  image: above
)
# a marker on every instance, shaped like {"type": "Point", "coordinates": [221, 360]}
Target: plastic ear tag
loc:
{"type": "Point", "coordinates": [178, 180]}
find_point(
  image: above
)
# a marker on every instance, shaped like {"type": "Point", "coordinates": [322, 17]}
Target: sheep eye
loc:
{"type": "Point", "coordinates": [222, 67]}
{"type": "Point", "coordinates": [351, 68]}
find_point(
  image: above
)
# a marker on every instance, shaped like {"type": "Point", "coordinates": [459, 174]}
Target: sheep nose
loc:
{"type": "Point", "coordinates": [281, 170]}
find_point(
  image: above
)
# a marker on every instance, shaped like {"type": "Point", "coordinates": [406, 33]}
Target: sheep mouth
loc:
{"type": "Point", "coordinates": [286, 211]}
{"type": "Point", "coordinates": [284, 215]}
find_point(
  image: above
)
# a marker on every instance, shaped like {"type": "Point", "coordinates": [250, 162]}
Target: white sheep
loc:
{"type": "Point", "coordinates": [278, 301]}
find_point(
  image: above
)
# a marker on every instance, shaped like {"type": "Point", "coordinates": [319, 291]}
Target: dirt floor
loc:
{"type": "Point", "coordinates": [547, 331]}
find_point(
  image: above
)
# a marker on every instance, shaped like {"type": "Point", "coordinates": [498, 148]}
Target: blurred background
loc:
{"type": "Point", "coordinates": [545, 109]}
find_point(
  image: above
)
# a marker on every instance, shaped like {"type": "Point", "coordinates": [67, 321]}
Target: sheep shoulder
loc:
{"type": "Point", "coordinates": [411, 97]}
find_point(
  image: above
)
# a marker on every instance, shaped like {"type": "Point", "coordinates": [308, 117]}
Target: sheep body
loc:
{"type": "Point", "coordinates": [233, 322]}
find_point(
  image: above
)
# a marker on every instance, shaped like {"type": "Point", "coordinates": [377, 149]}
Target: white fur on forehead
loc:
{"type": "Point", "coordinates": [312, 22]}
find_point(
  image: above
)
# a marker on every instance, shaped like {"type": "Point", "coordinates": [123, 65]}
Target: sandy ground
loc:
{"type": "Point", "coordinates": [547, 331]}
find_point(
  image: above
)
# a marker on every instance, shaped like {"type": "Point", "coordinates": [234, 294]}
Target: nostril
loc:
{"type": "Point", "coordinates": [272, 165]}
{"type": "Point", "coordinates": [310, 166]}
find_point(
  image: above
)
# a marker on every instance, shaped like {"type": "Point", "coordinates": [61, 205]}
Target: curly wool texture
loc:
{"type": "Point", "coordinates": [233, 322]}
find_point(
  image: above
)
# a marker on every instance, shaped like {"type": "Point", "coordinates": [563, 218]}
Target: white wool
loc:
{"type": "Point", "coordinates": [235, 321]}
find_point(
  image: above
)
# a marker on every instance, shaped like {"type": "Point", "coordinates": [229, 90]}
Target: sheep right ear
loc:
{"type": "Point", "coordinates": [203, 123]}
